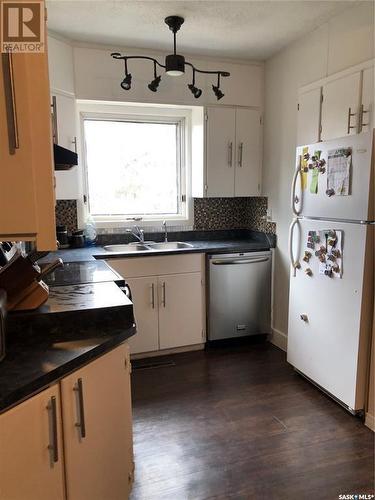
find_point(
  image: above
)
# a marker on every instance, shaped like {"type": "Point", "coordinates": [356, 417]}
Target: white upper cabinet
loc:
{"type": "Point", "coordinates": [248, 152]}
{"type": "Point", "coordinates": [340, 106]}
{"type": "Point", "coordinates": [308, 118]}
{"type": "Point", "coordinates": [367, 105]}
{"type": "Point", "coordinates": [233, 152]}
{"type": "Point", "coordinates": [220, 151]}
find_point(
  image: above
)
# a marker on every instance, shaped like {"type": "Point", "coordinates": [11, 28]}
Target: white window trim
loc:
{"type": "Point", "coordinates": [118, 111]}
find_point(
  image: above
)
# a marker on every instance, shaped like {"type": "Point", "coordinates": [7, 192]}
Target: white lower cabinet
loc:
{"type": "Point", "coordinates": [80, 428]}
{"type": "Point", "coordinates": [146, 311]}
{"type": "Point", "coordinates": [169, 297]}
{"type": "Point", "coordinates": [180, 310]}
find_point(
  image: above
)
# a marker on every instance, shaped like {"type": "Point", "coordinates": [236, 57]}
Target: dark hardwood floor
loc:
{"type": "Point", "coordinates": [241, 424]}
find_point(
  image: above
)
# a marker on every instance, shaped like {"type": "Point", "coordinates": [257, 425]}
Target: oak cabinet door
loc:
{"type": "Point", "coordinates": [31, 452]}
{"type": "Point", "coordinates": [308, 118]}
{"type": "Point", "coordinates": [248, 153]}
{"type": "Point", "coordinates": [220, 151]}
{"type": "Point", "coordinates": [97, 423]}
{"type": "Point", "coordinates": [340, 107]}
{"type": "Point", "coordinates": [180, 310]}
{"type": "Point", "coordinates": [145, 302]}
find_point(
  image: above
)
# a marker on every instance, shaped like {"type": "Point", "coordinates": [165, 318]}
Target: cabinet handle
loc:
{"type": "Point", "coordinates": [14, 137]}
{"type": "Point", "coordinates": [74, 142]}
{"type": "Point", "coordinates": [240, 152]}
{"type": "Point", "coordinates": [350, 114]}
{"type": "Point", "coordinates": [54, 120]}
{"type": "Point", "coordinates": [54, 445]}
{"type": "Point", "coordinates": [230, 154]}
{"type": "Point", "coordinates": [361, 113]}
{"type": "Point", "coordinates": [81, 424]}
{"type": "Point", "coordinates": [152, 288]}
{"type": "Point", "coordinates": [163, 295]}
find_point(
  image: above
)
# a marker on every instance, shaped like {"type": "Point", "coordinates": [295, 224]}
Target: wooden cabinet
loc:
{"type": "Point", "coordinates": [168, 297]}
{"type": "Point", "coordinates": [340, 106]}
{"type": "Point", "coordinates": [309, 115]}
{"type": "Point", "coordinates": [97, 429]}
{"type": "Point", "coordinates": [31, 451]}
{"type": "Point", "coordinates": [27, 203]}
{"type": "Point", "coordinates": [233, 152]}
{"type": "Point", "coordinates": [73, 440]}
{"type": "Point", "coordinates": [146, 311]}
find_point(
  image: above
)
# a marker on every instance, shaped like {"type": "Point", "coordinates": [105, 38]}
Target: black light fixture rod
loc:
{"type": "Point", "coordinates": [206, 72]}
{"type": "Point", "coordinates": [116, 55]}
{"type": "Point", "coordinates": [174, 43]}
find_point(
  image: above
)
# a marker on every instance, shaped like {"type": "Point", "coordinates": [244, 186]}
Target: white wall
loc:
{"type": "Point", "coordinates": [344, 41]}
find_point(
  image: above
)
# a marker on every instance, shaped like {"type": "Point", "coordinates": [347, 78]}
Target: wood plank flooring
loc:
{"type": "Point", "coordinates": [241, 424]}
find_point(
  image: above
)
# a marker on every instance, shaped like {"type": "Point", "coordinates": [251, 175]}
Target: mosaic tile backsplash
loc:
{"type": "Point", "coordinates": [66, 214]}
{"type": "Point", "coordinates": [209, 214]}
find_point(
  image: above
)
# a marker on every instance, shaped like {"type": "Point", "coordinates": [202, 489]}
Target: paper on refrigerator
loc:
{"type": "Point", "coordinates": [338, 171]}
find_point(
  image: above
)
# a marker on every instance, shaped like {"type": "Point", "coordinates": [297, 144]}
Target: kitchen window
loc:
{"type": "Point", "coordinates": [136, 167]}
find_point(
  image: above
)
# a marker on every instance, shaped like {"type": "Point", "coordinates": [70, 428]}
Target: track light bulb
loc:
{"type": "Point", "coordinates": [127, 82]}
{"type": "Point", "coordinates": [153, 86]}
{"type": "Point", "coordinates": [195, 91]}
{"type": "Point", "coordinates": [218, 93]}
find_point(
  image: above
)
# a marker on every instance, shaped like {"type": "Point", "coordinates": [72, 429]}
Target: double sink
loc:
{"type": "Point", "coordinates": [148, 246]}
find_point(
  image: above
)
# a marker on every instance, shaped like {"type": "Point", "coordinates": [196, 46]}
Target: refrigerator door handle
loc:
{"type": "Point", "coordinates": [294, 263]}
{"type": "Point", "coordinates": [294, 198]}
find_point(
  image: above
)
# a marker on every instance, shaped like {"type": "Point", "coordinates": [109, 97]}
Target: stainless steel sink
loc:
{"type": "Point", "coordinates": [129, 248]}
{"type": "Point", "coordinates": [170, 245]}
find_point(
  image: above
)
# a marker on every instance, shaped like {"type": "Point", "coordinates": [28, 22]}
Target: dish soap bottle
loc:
{"type": "Point", "coordinates": [90, 231]}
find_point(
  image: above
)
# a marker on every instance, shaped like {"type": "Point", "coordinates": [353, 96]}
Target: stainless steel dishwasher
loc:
{"type": "Point", "coordinates": [239, 296]}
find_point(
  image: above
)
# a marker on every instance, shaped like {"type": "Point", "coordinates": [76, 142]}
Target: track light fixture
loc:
{"type": "Point", "coordinates": [174, 65]}
{"type": "Point", "coordinates": [127, 81]}
{"type": "Point", "coordinates": [153, 86]}
{"type": "Point", "coordinates": [194, 90]}
{"type": "Point", "coordinates": [217, 90]}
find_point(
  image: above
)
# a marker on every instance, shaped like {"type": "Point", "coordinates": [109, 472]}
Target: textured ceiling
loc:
{"type": "Point", "coordinates": [252, 30]}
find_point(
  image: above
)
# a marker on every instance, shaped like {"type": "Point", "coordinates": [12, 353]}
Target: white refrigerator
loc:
{"type": "Point", "coordinates": [331, 244]}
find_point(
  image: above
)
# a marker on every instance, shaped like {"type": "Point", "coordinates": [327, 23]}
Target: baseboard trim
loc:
{"type": "Point", "coordinates": [165, 352]}
{"type": "Point", "coordinates": [279, 339]}
{"type": "Point", "coordinates": [370, 421]}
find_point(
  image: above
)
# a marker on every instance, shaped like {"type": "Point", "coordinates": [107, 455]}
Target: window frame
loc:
{"type": "Point", "coordinates": [120, 112]}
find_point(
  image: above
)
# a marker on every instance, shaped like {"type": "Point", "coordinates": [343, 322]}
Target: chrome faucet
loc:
{"type": "Point", "coordinates": [165, 231]}
{"type": "Point", "coordinates": [138, 233]}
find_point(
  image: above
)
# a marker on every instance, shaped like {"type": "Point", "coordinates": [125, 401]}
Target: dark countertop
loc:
{"type": "Point", "coordinates": [91, 271]}
{"type": "Point", "coordinates": [202, 241]}
{"type": "Point", "coordinates": [77, 324]}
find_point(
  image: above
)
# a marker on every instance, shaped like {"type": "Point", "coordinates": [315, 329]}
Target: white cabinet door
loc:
{"type": "Point", "coordinates": [145, 302]}
{"type": "Point", "coordinates": [97, 422]}
{"type": "Point", "coordinates": [248, 152]}
{"type": "Point", "coordinates": [308, 118]}
{"type": "Point", "coordinates": [367, 112]}
{"type": "Point", "coordinates": [220, 151]}
{"type": "Point", "coordinates": [66, 120]}
{"type": "Point", "coordinates": [180, 310]}
{"type": "Point", "coordinates": [340, 107]}
{"type": "Point", "coordinates": [28, 468]}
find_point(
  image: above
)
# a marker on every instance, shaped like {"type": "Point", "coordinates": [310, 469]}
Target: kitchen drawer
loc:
{"type": "Point", "coordinates": [158, 265]}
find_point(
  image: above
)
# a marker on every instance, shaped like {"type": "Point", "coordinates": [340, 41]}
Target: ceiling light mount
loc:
{"type": "Point", "coordinates": [174, 65]}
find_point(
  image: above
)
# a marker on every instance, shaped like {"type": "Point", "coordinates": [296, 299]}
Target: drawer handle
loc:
{"type": "Point", "coordinates": [239, 261]}
{"type": "Point", "coordinates": [163, 295]}
{"type": "Point", "coordinates": [53, 447]}
{"type": "Point", "coordinates": [15, 143]}
{"type": "Point", "coordinates": [152, 288]}
{"type": "Point", "coordinates": [81, 424]}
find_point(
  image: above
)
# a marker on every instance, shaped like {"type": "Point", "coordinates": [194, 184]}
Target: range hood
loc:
{"type": "Point", "coordinates": [64, 158]}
